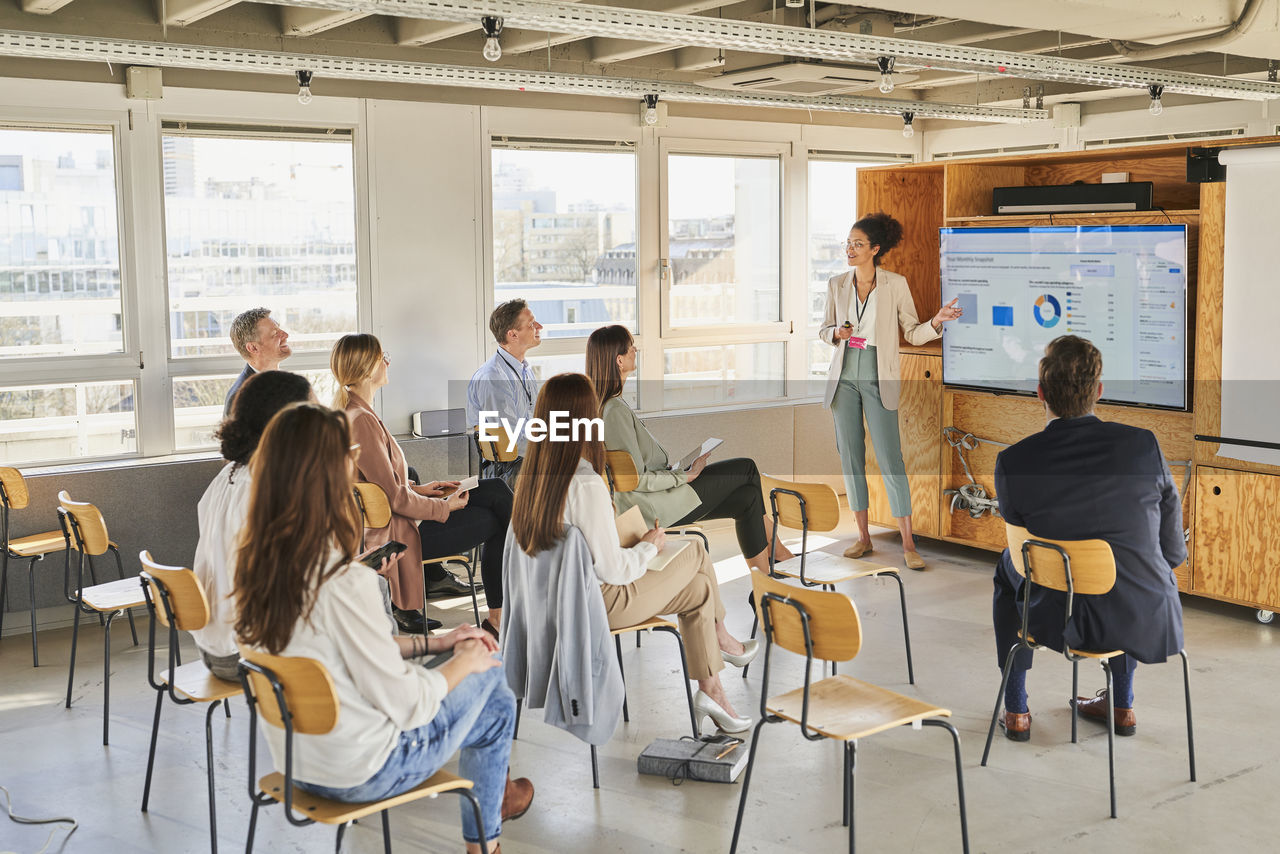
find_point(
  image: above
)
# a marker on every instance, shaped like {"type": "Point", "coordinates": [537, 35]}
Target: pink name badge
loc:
{"type": "Point", "coordinates": [857, 343]}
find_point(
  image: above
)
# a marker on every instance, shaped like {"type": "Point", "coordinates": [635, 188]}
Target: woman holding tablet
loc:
{"type": "Point", "coordinates": [865, 308]}
{"type": "Point", "coordinates": [727, 489]}
{"type": "Point", "coordinates": [559, 484]}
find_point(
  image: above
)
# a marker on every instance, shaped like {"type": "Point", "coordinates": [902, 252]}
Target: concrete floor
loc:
{"type": "Point", "coordinates": [1046, 795]}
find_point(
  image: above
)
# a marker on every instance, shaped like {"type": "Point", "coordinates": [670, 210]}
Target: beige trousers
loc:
{"type": "Point", "coordinates": [686, 587]}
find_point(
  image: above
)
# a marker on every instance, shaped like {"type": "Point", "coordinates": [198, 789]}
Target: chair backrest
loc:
{"type": "Point", "coordinates": [1092, 563]}
{"type": "Point", "coordinates": [309, 695]}
{"type": "Point", "coordinates": [373, 504]}
{"type": "Point", "coordinates": [622, 471]}
{"type": "Point", "coordinates": [834, 626]}
{"type": "Point", "coordinates": [820, 508]}
{"type": "Point", "coordinates": [15, 488]}
{"type": "Point", "coordinates": [181, 589]}
{"type": "Point", "coordinates": [89, 533]}
{"type": "Point", "coordinates": [496, 451]}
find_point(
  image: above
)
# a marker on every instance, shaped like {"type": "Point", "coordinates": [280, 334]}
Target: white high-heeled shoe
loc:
{"type": "Point", "coordinates": [704, 706]}
{"type": "Point", "coordinates": [749, 650]}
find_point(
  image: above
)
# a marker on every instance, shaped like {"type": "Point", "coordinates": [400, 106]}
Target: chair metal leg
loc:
{"type": "Point", "coordinates": [1075, 692]}
{"type": "Point", "coordinates": [638, 634]}
{"type": "Point", "coordinates": [684, 664]}
{"type": "Point", "coordinates": [755, 627]}
{"type": "Point", "coordinates": [106, 676]}
{"type": "Point", "coordinates": [626, 713]}
{"type": "Point", "coordinates": [995, 712]}
{"type": "Point", "coordinates": [964, 815]}
{"type": "Point", "coordinates": [208, 758]}
{"type": "Point", "coordinates": [226, 707]}
{"type": "Point", "coordinates": [1191, 739]}
{"type": "Point", "coordinates": [133, 630]}
{"type": "Point", "coordinates": [471, 582]}
{"type": "Point", "coordinates": [4, 588]}
{"type": "Point", "coordinates": [851, 748]}
{"type": "Point", "coordinates": [75, 635]}
{"type": "Point", "coordinates": [386, 831]}
{"type": "Point", "coordinates": [595, 769]}
{"type": "Point", "coordinates": [31, 602]}
{"type": "Point", "coordinates": [475, 808]}
{"type": "Point", "coordinates": [151, 754]}
{"type": "Point", "coordinates": [1111, 736]}
{"type": "Point", "coordinates": [906, 631]}
{"type": "Point", "coordinates": [337, 847]}
{"type": "Point", "coordinates": [844, 792]}
{"type": "Point", "coordinates": [515, 732]}
{"type": "Point", "coordinates": [746, 784]}
{"type": "Point", "coordinates": [253, 825]}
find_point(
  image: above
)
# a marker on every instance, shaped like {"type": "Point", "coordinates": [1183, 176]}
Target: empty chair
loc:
{"type": "Point", "coordinates": [86, 534]}
{"type": "Point", "coordinates": [33, 547]}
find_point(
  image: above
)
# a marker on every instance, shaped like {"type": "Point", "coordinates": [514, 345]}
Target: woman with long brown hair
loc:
{"type": "Point", "coordinates": [300, 593]}
{"type": "Point", "coordinates": [725, 489]}
{"type": "Point", "coordinates": [430, 525]}
{"type": "Point", "coordinates": [560, 484]}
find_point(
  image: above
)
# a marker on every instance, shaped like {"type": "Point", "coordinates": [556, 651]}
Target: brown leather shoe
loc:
{"type": "Point", "coordinates": [1016, 725]}
{"type": "Point", "coordinates": [1095, 709]}
{"type": "Point", "coordinates": [858, 549]}
{"type": "Point", "coordinates": [517, 798]}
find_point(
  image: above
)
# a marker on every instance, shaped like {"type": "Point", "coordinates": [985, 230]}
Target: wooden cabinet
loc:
{"type": "Point", "coordinates": [919, 405]}
{"type": "Point", "coordinates": [1237, 545]}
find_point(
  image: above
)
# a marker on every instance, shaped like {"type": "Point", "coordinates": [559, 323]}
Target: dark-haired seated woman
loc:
{"type": "Point", "coordinates": [560, 484]}
{"type": "Point", "coordinates": [301, 593]}
{"type": "Point", "coordinates": [726, 489]}
{"type": "Point", "coordinates": [430, 525]}
{"type": "Point", "coordinates": [225, 504]}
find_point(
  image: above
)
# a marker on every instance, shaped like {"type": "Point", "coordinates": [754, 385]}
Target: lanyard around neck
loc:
{"type": "Point", "coordinates": [519, 379]}
{"type": "Point", "coordinates": [860, 308]}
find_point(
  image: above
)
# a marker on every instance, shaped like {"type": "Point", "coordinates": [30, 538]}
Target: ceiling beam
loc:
{"type": "Point", "coordinates": [180, 13]}
{"type": "Point", "coordinates": [43, 7]}
{"type": "Point", "coordinates": [415, 31]}
{"type": "Point", "coordinates": [308, 22]}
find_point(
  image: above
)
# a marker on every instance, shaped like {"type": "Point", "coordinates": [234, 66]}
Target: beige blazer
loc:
{"type": "Point", "coordinates": [893, 303]}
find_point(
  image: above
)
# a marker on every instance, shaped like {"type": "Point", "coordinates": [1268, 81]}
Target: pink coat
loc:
{"type": "Point", "coordinates": [381, 461]}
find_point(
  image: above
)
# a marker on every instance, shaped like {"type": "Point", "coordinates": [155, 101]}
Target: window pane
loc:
{"type": "Point", "coordinates": [833, 209]}
{"type": "Point", "coordinates": [66, 421]}
{"type": "Point", "coordinates": [564, 237]}
{"type": "Point", "coordinates": [259, 222]}
{"type": "Point", "coordinates": [545, 367]}
{"type": "Point", "coordinates": [59, 248]}
{"type": "Point", "coordinates": [198, 402]}
{"type": "Point", "coordinates": [701, 376]}
{"type": "Point", "coordinates": [723, 239]}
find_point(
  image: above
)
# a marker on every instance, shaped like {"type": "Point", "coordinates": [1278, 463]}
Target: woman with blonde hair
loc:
{"type": "Point", "coordinates": [301, 593]}
{"type": "Point", "coordinates": [444, 526]}
{"type": "Point", "coordinates": [560, 484]}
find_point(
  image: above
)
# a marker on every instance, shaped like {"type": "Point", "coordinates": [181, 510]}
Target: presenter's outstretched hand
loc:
{"type": "Point", "coordinates": [950, 311]}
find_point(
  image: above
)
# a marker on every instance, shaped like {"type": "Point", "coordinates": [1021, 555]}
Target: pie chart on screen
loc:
{"type": "Point", "coordinates": [1048, 310]}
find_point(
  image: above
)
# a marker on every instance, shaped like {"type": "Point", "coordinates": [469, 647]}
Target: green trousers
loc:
{"type": "Point", "coordinates": [858, 396]}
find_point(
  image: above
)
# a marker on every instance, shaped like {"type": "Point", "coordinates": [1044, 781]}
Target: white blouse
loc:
{"type": "Point", "coordinates": [380, 694]}
{"type": "Point", "coordinates": [866, 327]}
{"type": "Point", "coordinates": [221, 514]}
{"type": "Point", "coordinates": [587, 507]}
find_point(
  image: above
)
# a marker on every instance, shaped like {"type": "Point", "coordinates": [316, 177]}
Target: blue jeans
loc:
{"type": "Point", "coordinates": [477, 716]}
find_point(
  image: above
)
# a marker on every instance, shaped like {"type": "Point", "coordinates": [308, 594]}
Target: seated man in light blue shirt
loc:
{"type": "Point", "coordinates": [505, 384]}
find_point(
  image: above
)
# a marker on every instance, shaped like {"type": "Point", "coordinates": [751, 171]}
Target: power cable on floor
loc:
{"type": "Point", "coordinates": [24, 820]}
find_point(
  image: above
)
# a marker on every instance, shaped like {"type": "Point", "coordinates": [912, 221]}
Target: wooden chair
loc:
{"type": "Point", "coordinates": [33, 547]}
{"type": "Point", "coordinates": [1073, 567]}
{"type": "Point", "coordinates": [825, 625]}
{"type": "Point", "coordinates": [376, 510]}
{"type": "Point", "coordinates": [85, 532]}
{"type": "Point", "coordinates": [297, 696]}
{"type": "Point", "coordinates": [622, 476]}
{"type": "Point", "coordinates": [496, 451]}
{"type": "Point", "coordinates": [182, 606]}
{"type": "Point", "coordinates": [814, 507]}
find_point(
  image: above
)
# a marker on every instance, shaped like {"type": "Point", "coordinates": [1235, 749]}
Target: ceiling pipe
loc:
{"type": "Point", "coordinates": [1196, 44]}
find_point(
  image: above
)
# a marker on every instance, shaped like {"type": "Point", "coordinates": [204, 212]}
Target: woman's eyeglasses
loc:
{"type": "Point", "coordinates": [856, 244]}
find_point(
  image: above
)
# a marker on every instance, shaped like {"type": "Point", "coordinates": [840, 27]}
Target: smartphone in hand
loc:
{"type": "Point", "coordinates": [375, 558]}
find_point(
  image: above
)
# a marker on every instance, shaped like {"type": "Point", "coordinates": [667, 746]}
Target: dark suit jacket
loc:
{"type": "Point", "coordinates": [1083, 478]}
{"type": "Point", "coordinates": [235, 387]}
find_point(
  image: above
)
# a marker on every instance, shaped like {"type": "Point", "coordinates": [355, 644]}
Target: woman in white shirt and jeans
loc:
{"type": "Point", "coordinates": [560, 484]}
{"type": "Point", "coordinates": [301, 593]}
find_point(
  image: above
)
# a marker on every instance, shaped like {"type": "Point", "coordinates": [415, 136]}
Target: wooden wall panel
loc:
{"type": "Point", "coordinates": [969, 186]}
{"type": "Point", "coordinates": [1237, 545]}
{"type": "Point", "coordinates": [914, 198]}
{"type": "Point", "coordinates": [1168, 174]}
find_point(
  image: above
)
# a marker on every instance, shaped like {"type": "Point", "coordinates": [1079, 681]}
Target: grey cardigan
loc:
{"type": "Point", "coordinates": [662, 494]}
{"type": "Point", "coordinates": [556, 645]}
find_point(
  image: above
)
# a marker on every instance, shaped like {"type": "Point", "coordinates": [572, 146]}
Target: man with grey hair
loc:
{"type": "Point", "coordinates": [505, 384]}
{"type": "Point", "coordinates": [262, 344]}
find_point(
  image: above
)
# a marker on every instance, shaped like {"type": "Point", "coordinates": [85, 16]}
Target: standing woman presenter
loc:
{"type": "Point", "coordinates": [862, 307]}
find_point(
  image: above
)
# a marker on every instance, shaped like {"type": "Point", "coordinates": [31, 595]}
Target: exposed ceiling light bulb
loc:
{"type": "Point", "coordinates": [304, 87]}
{"type": "Point", "coordinates": [492, 26]}
{"type": "Point", "coordinates": [886, 73]}
{"type": "Point", "coordinates": [907, 130]}
{"type": "Point", "coordinates": [651, 110]}
{"type": "Point", "coordinates": [1155, 107]}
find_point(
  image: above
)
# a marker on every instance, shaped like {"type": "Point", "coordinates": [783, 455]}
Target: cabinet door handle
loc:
{"type": "Point", "coordinates": [928, 374]}
{"type": "Point", "coordinates": [1217, 490]}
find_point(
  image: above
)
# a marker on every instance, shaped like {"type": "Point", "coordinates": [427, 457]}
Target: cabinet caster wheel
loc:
{"type": "Point", "coordinates": [1266, 616]}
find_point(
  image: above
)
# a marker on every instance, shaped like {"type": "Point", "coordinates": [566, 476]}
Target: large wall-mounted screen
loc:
{"type": "Point", "coordinates": [1124, 287]}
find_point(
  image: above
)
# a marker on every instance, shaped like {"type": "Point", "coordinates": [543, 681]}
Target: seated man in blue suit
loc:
{"type": "Point", "coordinates": [1084, 478]}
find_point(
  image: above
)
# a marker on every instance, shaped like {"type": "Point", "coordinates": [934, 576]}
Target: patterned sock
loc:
{"type": "Point", "coordinates": [1122, 683]}
{"type": "Point", "coordinates": [1015, 692]}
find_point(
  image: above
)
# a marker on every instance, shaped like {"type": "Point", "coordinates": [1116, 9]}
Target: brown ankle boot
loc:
{"type": "Point", "coordinates": [517, 798]}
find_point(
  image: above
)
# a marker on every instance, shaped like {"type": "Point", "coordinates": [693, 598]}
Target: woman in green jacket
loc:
{"type": "Point", "coordinates": [727, 489]}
